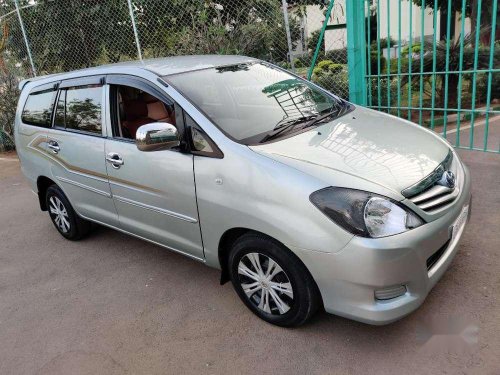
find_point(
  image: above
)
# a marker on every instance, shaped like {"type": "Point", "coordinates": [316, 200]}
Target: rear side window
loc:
{"type": "Point", "coordinates": [38, 108]}
{"type": "Point", "coordinates": [79, 108]}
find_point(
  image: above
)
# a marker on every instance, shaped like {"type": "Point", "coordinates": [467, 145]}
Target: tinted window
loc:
{"type": "Point", "coordinates": [248, 101]}
{"type": "Point", "coordinates": [83, 108]}
{"type": "Point", "coordinates": [38, 108]}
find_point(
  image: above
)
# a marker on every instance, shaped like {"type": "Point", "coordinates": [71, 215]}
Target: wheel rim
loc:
{"type": "Point", "coordinates": [265, 284]}
{"type": "Point", "coordinates": [59, 214]}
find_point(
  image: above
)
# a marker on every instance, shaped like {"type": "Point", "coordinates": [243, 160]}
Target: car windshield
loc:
{"type": "Point", "coordinates": [255, 102]}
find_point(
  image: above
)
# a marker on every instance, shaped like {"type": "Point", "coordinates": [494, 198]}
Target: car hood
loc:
{"type": "Point", "coordinates": [376, 147]}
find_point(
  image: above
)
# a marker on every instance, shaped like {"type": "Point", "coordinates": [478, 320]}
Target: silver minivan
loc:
{"type": "Point", "coordinates": [302, 199]}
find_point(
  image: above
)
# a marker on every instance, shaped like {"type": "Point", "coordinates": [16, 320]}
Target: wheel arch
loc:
{"type": "Point", "coordinates": [232, 235]}
{"type": "Point", "coordinates": [43, 184]}
{"type": "Point", "coordinates": [228, 238]}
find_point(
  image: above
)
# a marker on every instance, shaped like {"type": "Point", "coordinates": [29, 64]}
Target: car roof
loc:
{"type": "Point", "coordinates": [161, 66]}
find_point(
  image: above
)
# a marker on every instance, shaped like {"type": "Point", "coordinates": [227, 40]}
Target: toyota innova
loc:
{"type": "Point", "coordinates": [302, 199]}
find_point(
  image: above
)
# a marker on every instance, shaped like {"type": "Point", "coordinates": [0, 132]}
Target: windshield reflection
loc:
{"type": "Point", "coordinates": [248, 101]}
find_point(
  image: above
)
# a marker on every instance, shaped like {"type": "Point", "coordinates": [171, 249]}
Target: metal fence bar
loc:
{"type": "Point", "coordinates": [433, 84]}
{"type": "Point", "coordinates": [460, 68]}
{"type": "Point", "coordinates": [422, 40]}
{"type": "Point", "coordinates": [399, 58]}
{"type": "Point", "coordinates": [474, 77]}
{"type": "Point", "coordinates": [379, 71]}
{"type": "Point", "coordinates": [356, 51]}
{"type": "Point", "coordinates": [28, 49]}
{"type": "Point", "coordinates": [410, 60]}
{"type": "Point", "coordinates": [134, 26]}
{"type": "Point", "coordinates": [490, 74]}
{"type": "Point", "coordinates": [369, 54]}
{"type": "Point", "coordinates": [388, 52]}
{"type": "Point", "coordinates": [447, 63]}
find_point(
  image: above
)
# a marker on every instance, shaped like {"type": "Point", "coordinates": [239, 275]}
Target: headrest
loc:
{"type": "Point", "coordinates": [157, 111]}
{"type": "Point", "coordinates": [135, 109]}
{"type": "Point", "coordinates": [148, 98]}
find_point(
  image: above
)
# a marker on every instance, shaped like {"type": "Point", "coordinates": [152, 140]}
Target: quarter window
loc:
{"type": "Point", "coordinates": [79, 108]}
{"type": "Point", "coordinates": [199, 140]}
{"type": "Point", "coordinates": [38, 108]}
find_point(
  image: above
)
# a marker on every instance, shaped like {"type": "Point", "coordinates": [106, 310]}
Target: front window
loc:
{"type": "Point", "coordinates": [254, 102]}
{"type": "Point", "coordinates": [136, 108]}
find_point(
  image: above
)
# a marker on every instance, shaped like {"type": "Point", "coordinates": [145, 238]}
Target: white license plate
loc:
{"type": "Point", "coordinates": [460, 222]}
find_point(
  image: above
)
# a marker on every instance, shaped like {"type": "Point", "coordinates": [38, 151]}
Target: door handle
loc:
{"type": "Point", "coordinates": [114, 159]}
{"type": "Point", "coordinates": [54, 146]}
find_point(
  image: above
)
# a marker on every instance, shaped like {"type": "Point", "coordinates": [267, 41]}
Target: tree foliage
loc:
{"type": "Point", "coordinates": [86, 33]}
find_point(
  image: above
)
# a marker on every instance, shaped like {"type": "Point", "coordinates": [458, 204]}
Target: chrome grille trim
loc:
{"type": "Point", "coordinates": [435, 198]}
{"type": "Point", "coordinates": [431, 179]}
{"type": "Point", "coordinates": [433, 192]}
{"type": "Point", "coordinates": [440, 201]}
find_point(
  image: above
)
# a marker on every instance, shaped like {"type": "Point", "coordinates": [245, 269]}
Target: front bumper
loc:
{"type": "Point", "coordinates": [348, 279]}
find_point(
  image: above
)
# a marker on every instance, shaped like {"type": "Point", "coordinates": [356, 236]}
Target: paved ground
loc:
{"type": "Point", "coordinates": [112, 304]}
{"type": "Point", "coordinates": [478, 141]}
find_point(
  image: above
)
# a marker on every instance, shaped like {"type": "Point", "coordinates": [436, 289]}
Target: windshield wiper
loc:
{"type": "Point", "coordinates": [322, 118]}
{"type": "Point", "coordinates": [345, 106]}
{"type": "Point", "coordinates": [307, 121]}
{"type": "Point", "coordinates": [285, 126]}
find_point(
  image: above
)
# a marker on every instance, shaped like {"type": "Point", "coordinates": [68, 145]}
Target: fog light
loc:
{"type": "Point", "coordinates": [391, 292]}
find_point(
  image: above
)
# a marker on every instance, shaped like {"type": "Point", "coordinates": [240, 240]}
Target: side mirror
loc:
{"type": "Point", "coordinates": [157, 136]}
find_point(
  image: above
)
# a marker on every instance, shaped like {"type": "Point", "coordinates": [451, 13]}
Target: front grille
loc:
{"type": "Point", "coordinates": [435, 198]}
{"type": "Point", "coordinates": [429, 195]}
{"type": "Point", "coordinates": [432, 260]}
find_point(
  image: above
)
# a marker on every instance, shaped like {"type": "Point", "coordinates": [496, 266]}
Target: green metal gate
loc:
{"type": "Point", "coordinates": [433, 62]}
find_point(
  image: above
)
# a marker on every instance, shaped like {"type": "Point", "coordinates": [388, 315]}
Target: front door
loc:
{"type": "Point", "coordinates": [154, 192]}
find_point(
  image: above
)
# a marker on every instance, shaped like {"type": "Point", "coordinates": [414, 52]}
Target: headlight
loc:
{"type": "Point", "coordinates": [365, 214]}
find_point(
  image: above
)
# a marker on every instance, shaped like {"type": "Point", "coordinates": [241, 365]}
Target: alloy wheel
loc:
{"type": "Point", "coordinates": [265, 284]}
{"type": "Point", "coordinates": [59, 214]}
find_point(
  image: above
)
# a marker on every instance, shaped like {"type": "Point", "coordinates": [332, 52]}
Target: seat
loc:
{"type": "Point", "coordinates": [136, 115]}
{"type": "Point", "coordinates": [158, 112]}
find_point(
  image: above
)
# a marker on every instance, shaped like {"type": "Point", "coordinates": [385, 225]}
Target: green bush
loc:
{"type": "Point", "coordinates": [405, 62]}
{"type": "Point", "coordinates": [313, 41]}
{"type": "Point", "coordinates": [337, 55]}
{"type": "Point", "coordinates": [383, 43]}
{"type": "Point", "coordinates": [336, 68]}
{"type": "Point", "coordinates": [325, 64]}
{"type": "Point", "coordinates": [318, 71]}
{"type": "Point", "coordinates": [482, 88]}
{"type": "Point", "coordinates": [284, 64]}
{"type": "Point", "coordinates": [387, 86]}
{"type": "Point", "coordinates": [332, 77]}
{"type": "Point", "coordinates": [8, 102]}
{"type": "Point", "coordinates": [328, 66]}
{"type": "Point", "coordinates": [415, 49]}
{"type": "Point", "coordinates": [298, 63]}
{"type": "Point", "coordinates": [374, 63]}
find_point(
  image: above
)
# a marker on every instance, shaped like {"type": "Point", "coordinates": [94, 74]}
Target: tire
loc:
{"type": "Point", "coordinates": [64, 218]}
{"type": "Point", "coordinates": [291, 296]}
